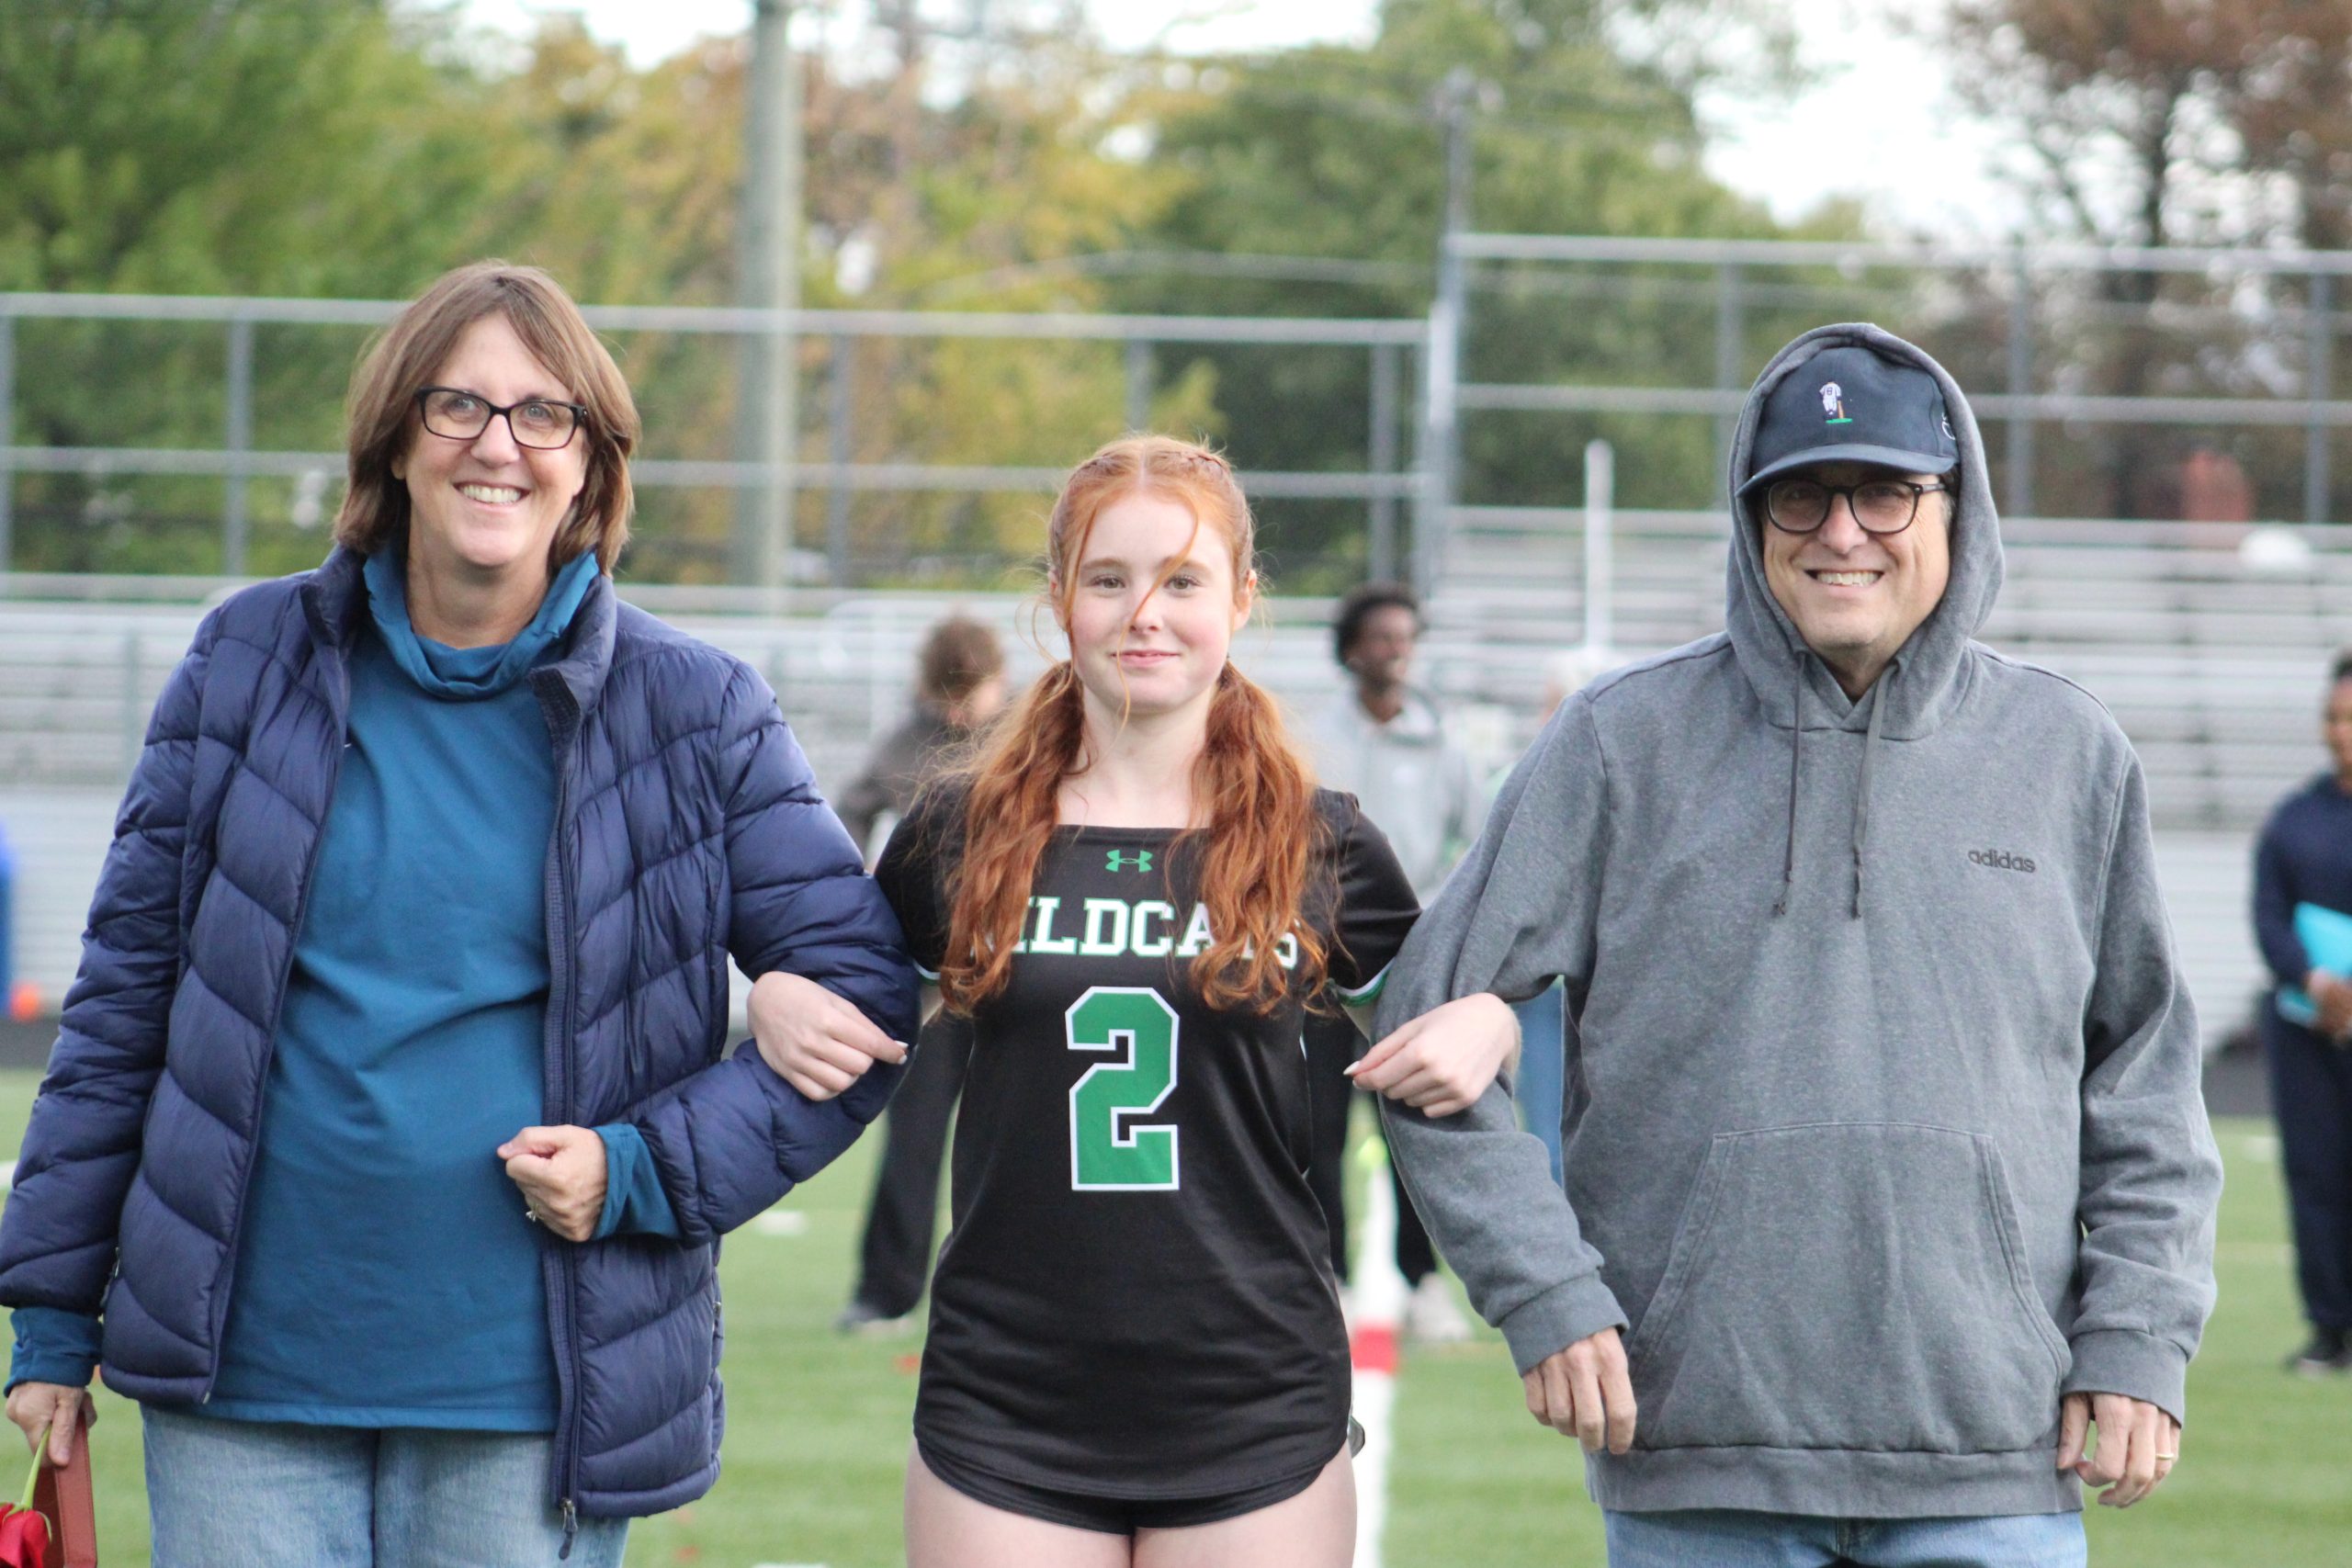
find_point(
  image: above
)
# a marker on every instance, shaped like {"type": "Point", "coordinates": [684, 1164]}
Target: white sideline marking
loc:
{"type": "Point", "coordinates": [783, 1221]}
{"type": "Point", "coordinates": [1379, 1291]}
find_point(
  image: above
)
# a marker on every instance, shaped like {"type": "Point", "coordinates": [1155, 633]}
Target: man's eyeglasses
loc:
{"type": "Point", "coordinates": [1881, 506]}
{"type": "Point", "coordinates": [537, 423]}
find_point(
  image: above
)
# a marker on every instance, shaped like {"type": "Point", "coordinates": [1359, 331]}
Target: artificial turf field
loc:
{"type": "Point", "coordinates": [817, 1424]}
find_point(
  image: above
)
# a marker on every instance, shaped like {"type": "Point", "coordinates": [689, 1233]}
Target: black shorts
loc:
{"type": "Point", "coordinates": [1118, 1515]}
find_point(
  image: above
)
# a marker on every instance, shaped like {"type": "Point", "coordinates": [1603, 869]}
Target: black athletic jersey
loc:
{"type": "Point", "coordinates": [1136, 1298]}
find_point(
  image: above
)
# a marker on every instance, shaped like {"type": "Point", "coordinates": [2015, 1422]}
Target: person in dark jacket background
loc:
{"type": "Point", "coordinates": [438, 852]}
{"type": "Point", "coordinates": [2302, 871]}
{"type": "Point", "coordinates": [959, 686]}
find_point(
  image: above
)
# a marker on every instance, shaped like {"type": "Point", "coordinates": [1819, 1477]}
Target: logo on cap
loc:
{"type": "Point", "coordinates": [1833, 403]}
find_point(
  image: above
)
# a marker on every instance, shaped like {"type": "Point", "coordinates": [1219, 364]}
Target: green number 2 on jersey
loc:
{"type": "Point", "coordinates": [1107, 1152]}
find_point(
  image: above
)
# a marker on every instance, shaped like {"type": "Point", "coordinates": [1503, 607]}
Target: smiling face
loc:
{"type": "Point", "coordinates": [1857, 597]}
{"type": "Point", "coordinates": [489, 508]}
{"type": "Point", "coordinates": [1152, 609]}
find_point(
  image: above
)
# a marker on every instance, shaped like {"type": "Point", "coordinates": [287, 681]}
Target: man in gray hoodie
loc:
{"type": "Point", "coordinates": [1885, 1138]}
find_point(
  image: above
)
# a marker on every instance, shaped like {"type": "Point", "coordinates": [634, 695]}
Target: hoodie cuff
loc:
{"type": "Point", "coordinates": [2137, 1366]}
{"type": "Point", "coordinates": [1575, 1309]}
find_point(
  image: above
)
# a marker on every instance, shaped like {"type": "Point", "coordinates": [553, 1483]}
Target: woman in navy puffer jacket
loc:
{"type": "Point", "coordinates": [387, 1140]}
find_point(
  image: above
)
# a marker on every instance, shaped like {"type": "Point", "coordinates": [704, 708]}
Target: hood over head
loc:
{"type": "Point", "coordinates": [1929, 672]}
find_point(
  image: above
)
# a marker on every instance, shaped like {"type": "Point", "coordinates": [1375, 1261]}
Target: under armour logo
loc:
{"type": "Point", "coordinates": [1140, 859]}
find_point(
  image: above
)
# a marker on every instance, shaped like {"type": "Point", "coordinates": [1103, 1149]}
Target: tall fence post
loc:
{"type": "Point", "coordinates": [839, 448]}
{"type": "Point", "coordinates": [2319, 330]}
{"type": "Point", "coordinates": [2018, 435]}
{"type": "Point", "coordinates": [1600, 559]}
{"type": "Point", "coordinates": [1730, 351]}
{"type": "Point", "coordinates": [1381, 548]}
{"type": "Point", "coordinates": [8, 438]}
{"type": "Point", "coordinates": [1442, 375]}
{"type": "Point", "coordinates": [236, 527]}
{"type": "Point", "coordinates": [1138, 384]}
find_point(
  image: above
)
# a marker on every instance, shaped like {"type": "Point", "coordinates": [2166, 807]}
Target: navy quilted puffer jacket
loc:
{"type": "Point", "coordinates": [687, 827]}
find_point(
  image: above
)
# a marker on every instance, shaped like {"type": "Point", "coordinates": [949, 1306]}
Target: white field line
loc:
{"type": "Point", "coordinates": [1379, 1293]}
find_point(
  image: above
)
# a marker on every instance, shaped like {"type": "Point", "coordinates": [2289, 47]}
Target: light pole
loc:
{"type": "Point", "coordinates": [767, 426]}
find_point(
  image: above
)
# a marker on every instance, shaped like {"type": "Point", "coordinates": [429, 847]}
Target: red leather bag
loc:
{"type": "Point", "coordinates": [64, 1496]}
{"type": "Point", "coordinates": [68, 1526]}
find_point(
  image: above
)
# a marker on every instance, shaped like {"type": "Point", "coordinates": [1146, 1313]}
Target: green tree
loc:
{"type": "Point", "coordinates": [2199, 122]}
{"type": "Point", "coordinates": [1338, 153]}
{"type": "Point", "coordinates": [303, 147]}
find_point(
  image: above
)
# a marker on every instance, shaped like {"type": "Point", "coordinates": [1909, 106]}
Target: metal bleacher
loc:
{"type": "Point", "coordinates": [2208, 643]}
{"type": "Point", "coordinates": [83, 660]}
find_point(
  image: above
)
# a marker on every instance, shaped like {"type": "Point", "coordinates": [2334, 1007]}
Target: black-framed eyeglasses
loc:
{"type": "Point", "coordinates": [1881, 506]}
{"type": "Point", "coordinates": [541, 423]}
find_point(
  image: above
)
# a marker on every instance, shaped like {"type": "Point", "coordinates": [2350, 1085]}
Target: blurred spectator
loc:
{"type": "Point", "coordinates": [1384, 742]}
{"type": "Point", "coordinates": [2302, 918]}
{"type": "Point", "coordinates": [959, 686]}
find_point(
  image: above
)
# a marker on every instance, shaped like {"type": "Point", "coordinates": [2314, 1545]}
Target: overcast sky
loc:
{"type": "Point", "coordinates": [1923, 168]}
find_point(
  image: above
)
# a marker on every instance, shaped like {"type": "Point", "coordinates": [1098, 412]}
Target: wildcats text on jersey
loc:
{"type": "Point", "coordinates": [1118, 928]}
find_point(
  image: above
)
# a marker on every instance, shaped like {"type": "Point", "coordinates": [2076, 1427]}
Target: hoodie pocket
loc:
{"type": "Point", "coordinates": [1853, 1286]}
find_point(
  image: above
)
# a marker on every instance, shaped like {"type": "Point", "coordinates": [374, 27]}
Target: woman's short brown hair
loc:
{"type": "Point", "coordinates": [404, 359]}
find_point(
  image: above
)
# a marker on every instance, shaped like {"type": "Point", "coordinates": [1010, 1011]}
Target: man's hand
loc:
{"type": "Point", "coordinates": [2333, 994]}
{"type": "Point", "coordinates": [2138, 1444]}
{"type": "Point", "coordinates": [1442, 1061]}
{"type": "Point", "coordinates": [1585, 1393]}
{"type": "Point", "coordinates": [35, 1406]}
{"type": "Point", "coordinates": [561, 1173]}
{"type": "Point", "coordinates": [815, 1041]}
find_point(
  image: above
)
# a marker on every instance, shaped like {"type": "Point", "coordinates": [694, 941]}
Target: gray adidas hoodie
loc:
{"type": "Point", "coordinates": [1884, 1120]}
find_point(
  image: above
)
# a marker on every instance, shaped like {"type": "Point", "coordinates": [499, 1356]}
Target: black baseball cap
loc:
{"type": "Point", "coordinates": [1852, 404]}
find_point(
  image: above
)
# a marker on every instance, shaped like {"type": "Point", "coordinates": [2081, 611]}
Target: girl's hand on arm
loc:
{"type": "Point", "coordinates": [815, 1041]}
{"type": "Point", "coordinates": [1442, 1061]}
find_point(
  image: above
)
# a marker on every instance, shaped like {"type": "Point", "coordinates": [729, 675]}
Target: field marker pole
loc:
{"type": "Point", "coordinates": [1379, 1291]}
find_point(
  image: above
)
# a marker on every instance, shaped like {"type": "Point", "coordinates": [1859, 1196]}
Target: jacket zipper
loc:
{"type": "Point", "coordinates": [278, 1011]}
{"type": "Point", "coordinates": [563, 1314]}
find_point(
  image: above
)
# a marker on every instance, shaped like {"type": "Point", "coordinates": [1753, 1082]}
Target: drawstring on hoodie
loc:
{"type": "Point", "coordinates": [1862, 790]}
{"type": "Point", "coordinates": [1796, 755]}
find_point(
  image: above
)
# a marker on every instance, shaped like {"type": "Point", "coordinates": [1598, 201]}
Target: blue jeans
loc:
{"type": "Point", "coordinates": [262, 1495]}
{"type": "Point", "coordinates": [1724, 1538]}
{"type": "Point", "coordinates": [1542, 1071]}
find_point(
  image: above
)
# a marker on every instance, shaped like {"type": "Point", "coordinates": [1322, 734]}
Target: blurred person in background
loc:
{"type": "Point", "coordinates": [2303, 921]}
{"type": "Point", "coordinates": [1383, 740]}
{"type": "Point", "coordinates": [386, 1142]}
{"type": "Point", "coordinates": [959, 686]}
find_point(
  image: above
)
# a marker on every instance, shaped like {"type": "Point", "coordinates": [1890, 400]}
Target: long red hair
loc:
{"type": "Point", "coordinates": [1257, 847]}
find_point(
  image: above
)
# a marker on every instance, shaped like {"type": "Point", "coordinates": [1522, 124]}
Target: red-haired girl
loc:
{"type": "Point", "coordinates": [1135, 1352]}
